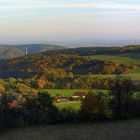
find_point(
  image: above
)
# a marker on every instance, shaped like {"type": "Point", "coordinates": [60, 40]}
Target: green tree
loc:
{"type": "Point", "coordinates": [40, 109]}
{"type": "Point", "coordinates": [95, 107]}
{"type": "Point", "coordinates": [121, 93]}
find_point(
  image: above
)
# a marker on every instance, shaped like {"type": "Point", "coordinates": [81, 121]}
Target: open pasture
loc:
{"type": "Point", "coordinates": [127, 58]}
{"type": "Point", "coordinates": [133, 76]}
{"type": "Point", "coordinates": [69, 92]}
{"type": "Point", "coordinates": [70, 105]}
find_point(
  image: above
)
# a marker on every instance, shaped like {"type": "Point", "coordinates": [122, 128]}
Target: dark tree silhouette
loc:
{"type": "Point", "coordinates": [121, 93]}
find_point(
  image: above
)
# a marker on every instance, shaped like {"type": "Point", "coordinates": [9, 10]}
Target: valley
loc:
{"type": "Point", "coordinates": [62, 73]}
{"type": "Point", "coordinates": [72, 82]}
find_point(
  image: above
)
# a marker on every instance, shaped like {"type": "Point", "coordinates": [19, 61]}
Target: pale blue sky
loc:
{"type": "Point", "coordinates": [32, 21]}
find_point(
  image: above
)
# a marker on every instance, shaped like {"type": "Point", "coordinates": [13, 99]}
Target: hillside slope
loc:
{"type": "Point", "coordinates": [60, 63]}
{"type": "Point", "coordinates": [12, 51]}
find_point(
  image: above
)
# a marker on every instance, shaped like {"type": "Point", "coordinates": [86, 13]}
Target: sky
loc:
{"type": "Point", "coordinates": [32, 21]}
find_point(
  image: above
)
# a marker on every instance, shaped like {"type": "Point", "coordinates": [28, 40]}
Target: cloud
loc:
{"type": "Point", "coordinates": [7, 0]}
{"type": "Point", "coordinates": [23, 14]}
{"type": "Point", "coordinates": [76, 5]}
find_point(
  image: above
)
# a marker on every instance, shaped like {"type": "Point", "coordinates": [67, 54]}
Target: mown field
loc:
{"type": "Point", "coordinates": [121, 130]}
{"type": "Point", "coordinates": [127, 58]}
{"type": "Point", "coordinates": [69, 92]}
{"type": "Point", "coordinates": [71, 105]}
{"type": "Point", "coordinates": [133, 76]}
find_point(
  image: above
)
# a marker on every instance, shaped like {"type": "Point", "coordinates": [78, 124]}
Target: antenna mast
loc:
{"type": "Point", "coordinates": [26, 51]}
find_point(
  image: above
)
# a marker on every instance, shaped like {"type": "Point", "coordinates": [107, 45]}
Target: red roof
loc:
{"type": "Point", "coordinates": [13, 104]}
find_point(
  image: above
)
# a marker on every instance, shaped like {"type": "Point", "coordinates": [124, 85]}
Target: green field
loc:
{"type": "Point", "coordinates": [69, 92]}
{"type": "Point", "coordinates": [128, 58]}
{"type": "Point", "coordinates": [133, 76]}
{"type": "Point", "coordinates": [74, 106]}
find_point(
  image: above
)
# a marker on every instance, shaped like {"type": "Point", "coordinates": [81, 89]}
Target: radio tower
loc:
{"type": "Point", "coordinates": [26, 51]}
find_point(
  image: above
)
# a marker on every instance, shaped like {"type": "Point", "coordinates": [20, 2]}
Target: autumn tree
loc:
{"type": "Point", "coordinates": [2, 89]}
{"type": "Point", "coordinates": [22, 88]}
{"type": "Point", "coordinates": [95, 107]}
{"type": "Point", "coordinates": [41, 83]}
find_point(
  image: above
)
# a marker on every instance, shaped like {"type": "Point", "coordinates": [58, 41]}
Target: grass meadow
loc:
{"type": "Point", "coordinates": [69, 92]}
{"type": "Point", "coordinates": [128, 58]}
{"type": "Point", "coordinates": [71, 105]}
{"type": "Point", "coordinates": [133, 76]}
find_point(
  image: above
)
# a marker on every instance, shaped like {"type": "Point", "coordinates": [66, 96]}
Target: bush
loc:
{"type": "Point", "coordinates": [95, 107]}
{"type": "Point", "coordinates": [14, 118]}
{"type": "Point", "coordinates": [40, 110]}
{"type": "Point", "coordinates": [68, 116]}
{"type": "Point", "coordinates": [135, 107]}
{"type": "Point", "coordinates": [122, 93]}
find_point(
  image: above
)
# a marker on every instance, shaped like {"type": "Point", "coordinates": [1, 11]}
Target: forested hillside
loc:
{"type": "Point", "coordinates": [98, 50]}
{"type": "Point", "coordinates": [12, 51]}
{"type": "Point", "coordinates": [65, 69]}
{"type": "Point", "coordinates": [89, 84]}
{"type": "Point", "coordinates": [70, 61]}
{"type": "Point", "coordinates": [59, 65]}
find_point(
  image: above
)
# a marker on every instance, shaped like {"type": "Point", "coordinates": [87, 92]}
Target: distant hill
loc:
{"type": "Point", "coordinates": [12, 51]}
{"type": "Point", "coordinates": [89, 51]}
{"type": "Point", "coordinates": [94, 42]}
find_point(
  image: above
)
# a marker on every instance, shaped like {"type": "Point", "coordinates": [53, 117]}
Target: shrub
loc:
{"type": "Point", "coordinates": [122, 92]}
{"type": "Point", "coordinates": [68, 116]}
{"type": "Point", "coordinates": [40, 109]}
{"type": "Point", "coordinates": [135, 107]}
{"type": "Point", "coordinates": [95, 107]}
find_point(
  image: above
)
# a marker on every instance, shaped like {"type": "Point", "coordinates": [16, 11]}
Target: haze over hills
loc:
{"type": "Point", "coordinates": [96, 42]}
{"type": "Point", "coordinates": [12, 51]}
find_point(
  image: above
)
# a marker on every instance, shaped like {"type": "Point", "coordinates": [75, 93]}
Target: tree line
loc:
{"type": "Point", "coordinates": [37, 109]}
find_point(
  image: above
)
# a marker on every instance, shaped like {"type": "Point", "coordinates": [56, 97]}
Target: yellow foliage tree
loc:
{"type": "Point", "coordinates": [41, 83]}
{"type": "Point", "coordinates": [2, 89]}
{"type": "Point", "coordinates": [34, 91]}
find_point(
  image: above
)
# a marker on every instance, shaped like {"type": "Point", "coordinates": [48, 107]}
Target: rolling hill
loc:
{"type": "Point", "coordinates": [12, 51]}
{"type": "Point", "coordinates": [82, 61]}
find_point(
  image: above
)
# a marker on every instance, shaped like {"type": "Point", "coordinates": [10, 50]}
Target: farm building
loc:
{"type": "Point", "coordinates": [62, 100]}
{"type": "Point", "coordinates": [77, 95]}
